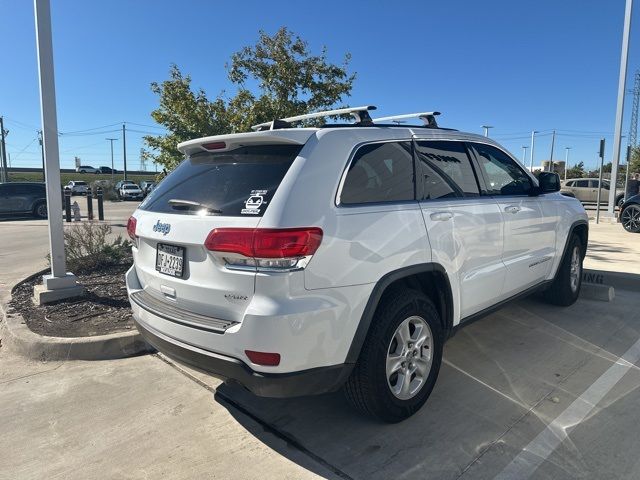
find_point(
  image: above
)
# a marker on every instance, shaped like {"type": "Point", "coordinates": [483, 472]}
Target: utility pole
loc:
{"type": "Point", "coordinates": [566, 161]}
{"type": "Point", "coordinates": [524, 153]}
{"type": "Point", "coordinates": [553, 142]}
{"type": "Point", "coordinates": [622, 81]}
{"type": "Point", "coordinates": [124, 149]}
{"type": "Point", "coordinates": [44, 177]}
{"type": "Point", "coordinates": [59, 284]}
{"type": "Point", "coordinates": [486, 129]}
{"type": "Point", "coordinates": [111, 140]}
{"type": "Point", "coordinates": [5, 172]}
{"type": "Point", "coordinates": [533, 140]}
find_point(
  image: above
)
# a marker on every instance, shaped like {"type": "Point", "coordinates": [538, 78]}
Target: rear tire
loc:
{"type": "Point", "coordinates": [565, 289]}
{"type": "Point", "coordinates": [400, 359]}
{"type": "Point", "coordinates": [40, 210]}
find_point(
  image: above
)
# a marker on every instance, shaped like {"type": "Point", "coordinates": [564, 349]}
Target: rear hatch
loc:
{"type": "Point", "coordinates": [209, 190]}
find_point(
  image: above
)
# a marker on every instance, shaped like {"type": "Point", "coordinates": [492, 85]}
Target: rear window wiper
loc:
{"type": "Point", "coordinates": [180, 204]}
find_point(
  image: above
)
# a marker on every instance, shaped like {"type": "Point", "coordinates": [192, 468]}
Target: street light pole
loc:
{"type": "Point", "coordinates": [486, 129]}
{"type": "Point", "coordinates": [533, 140]}
{"type": "Point", "coordinates": [617, 135]}
{"type": "Point", "coordinates": [524, 153]}
{"type": "Point", "coordinates": [553, 143]}
{"type": "Point", "coordinates": [566, 161]}
{"type": "Point", "coordinates": [111, 140]}
{"type": "Point", "coordinates": [59, 284]}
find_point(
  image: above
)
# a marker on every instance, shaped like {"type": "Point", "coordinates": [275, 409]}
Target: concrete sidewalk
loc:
{"type": "Point", "coordinates": [136, 418]}
{"type": "Point", "coordinates": [612, 248]}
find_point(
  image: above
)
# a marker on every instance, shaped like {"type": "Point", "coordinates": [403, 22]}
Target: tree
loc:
{"type": "Point", "coordinates": [634, 163]}
{"type": "Point", "coordinates": [290, 81]}
{"type": "Point", "coordinates": [577, 171]}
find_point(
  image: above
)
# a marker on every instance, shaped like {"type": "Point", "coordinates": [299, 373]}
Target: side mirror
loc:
{"type": "Point", "coordinates": [548, 182]}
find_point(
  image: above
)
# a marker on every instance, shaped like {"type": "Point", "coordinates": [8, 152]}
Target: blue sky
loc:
{"type": "Point", "coordinates": [516, 65]}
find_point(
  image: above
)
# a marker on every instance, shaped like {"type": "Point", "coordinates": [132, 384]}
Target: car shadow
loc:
{"type": "Point", "coordinates": [494, 376]}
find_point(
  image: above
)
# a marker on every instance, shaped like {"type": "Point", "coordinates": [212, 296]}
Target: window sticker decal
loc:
{"type": "Point", "coordinates": [254, 202]}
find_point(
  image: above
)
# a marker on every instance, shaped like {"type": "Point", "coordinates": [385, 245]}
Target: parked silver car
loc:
{"type": "Point", "coordinates": [586, 190]}
{"type": "Point", "coordinates": [77, 187]}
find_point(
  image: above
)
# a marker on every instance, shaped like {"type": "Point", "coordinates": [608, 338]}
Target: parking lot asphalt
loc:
{"type": "Point", "coordinates": [25, 242]}
{"type": "Point", "coordinates": [531, 391]}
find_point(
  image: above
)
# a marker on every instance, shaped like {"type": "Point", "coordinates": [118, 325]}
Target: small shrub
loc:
{"type": "Point", "coordinates": [108, 193]}
{"type": "Point", "coordinates": [89, 248]}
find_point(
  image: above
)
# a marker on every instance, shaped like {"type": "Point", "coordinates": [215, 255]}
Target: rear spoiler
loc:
{"type": "Point", "coordinates": [222, 143]}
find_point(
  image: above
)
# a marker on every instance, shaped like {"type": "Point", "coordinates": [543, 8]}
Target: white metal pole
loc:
{"type": "Point", "coordinates": [524, 153]}
{"type": "Point", "coordinates": [566, 161]}
{"type": "Point", "coordinates": [533, 139]}
{"type": "Point", "coordinates": [50, 136]}
{"type": "Point", "coordinates": [59, 283]}
{"type": "Point", "coordinates": [622, 80]}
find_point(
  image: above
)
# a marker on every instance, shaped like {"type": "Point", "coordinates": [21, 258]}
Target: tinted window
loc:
{"type": "Point", "coordinates": [446, 170]}
{"type": "Point", "coordinates": [239, 182]}
{"type": "Point", "coordinates": [569, 183]}
{"type": "Point", "coordinates": [28, 189]}
{"type": "Point", "coordinates": [502, 174]}
{"type": "Point", "coordinates": [380, 172]}
{"type": "Point", "coordinates": [582, 183]}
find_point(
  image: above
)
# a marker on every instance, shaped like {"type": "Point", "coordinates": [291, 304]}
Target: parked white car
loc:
{"type": "Point", "coordinates": [77, 187]}
{"type": "Point", "coordinates": [130, 191]}
{"type": "Point", "coordinates": [297, 261]}
{"type": "Point", "coordinates": [86, 169]}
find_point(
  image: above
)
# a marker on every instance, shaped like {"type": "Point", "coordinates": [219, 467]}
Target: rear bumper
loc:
{"type": "Point", "coordinates": [307, 382]}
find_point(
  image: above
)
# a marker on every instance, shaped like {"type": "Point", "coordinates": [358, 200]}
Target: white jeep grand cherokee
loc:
{"type": "Point", "coordinates": [296, 261]}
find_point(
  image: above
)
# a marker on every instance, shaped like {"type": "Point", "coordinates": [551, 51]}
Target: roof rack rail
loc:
{"type": "Point", "coordinates": [360, 114]}
{"type": "Point", "coordinates": [429, 118]}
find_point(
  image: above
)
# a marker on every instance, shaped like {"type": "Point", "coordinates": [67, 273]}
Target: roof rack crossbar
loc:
{"type": "Point", "coordinates": [360, 115]}
{"type": "Point", "coordinates": [429, 118]}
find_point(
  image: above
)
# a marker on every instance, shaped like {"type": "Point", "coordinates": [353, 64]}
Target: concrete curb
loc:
{"type": "Point", "coordinates": [18, 338]}
{"type": "Point", "coordinates": [620, 280]}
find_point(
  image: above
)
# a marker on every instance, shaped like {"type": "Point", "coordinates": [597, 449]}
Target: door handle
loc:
{"type": "Point", "coordinates": [512, 209]}
{"type": "Point", "coordinates": [441, 216]}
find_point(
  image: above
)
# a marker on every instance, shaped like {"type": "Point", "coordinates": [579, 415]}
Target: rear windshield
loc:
{"type": "Point", "coordinates": [130, 187]}
{"type": "Point", "coordinates": [80, 183]}
{"type": "Point", "coordinates": [236, 183]}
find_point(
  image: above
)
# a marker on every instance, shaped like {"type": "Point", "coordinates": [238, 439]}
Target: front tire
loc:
{"type": "Point", "coordinates": [565, 289]}
{"type": "Point", "coordinates": [630, 218]}
{"type": "Point", "coordinates": [400, 359]}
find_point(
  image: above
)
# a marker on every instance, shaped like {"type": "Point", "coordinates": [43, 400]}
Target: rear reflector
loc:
{"type": "Point", "coordinates": [263, 358]}
{"type": "Point", "coordinates": [214, 145]}
{"type": "Point", "coordinates": [265, 242]}
{"type": "Point", "coordinates": [131, 228]}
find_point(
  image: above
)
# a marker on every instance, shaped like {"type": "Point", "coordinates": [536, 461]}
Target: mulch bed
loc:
{"type": "Point", "coordinates": [103, 309]}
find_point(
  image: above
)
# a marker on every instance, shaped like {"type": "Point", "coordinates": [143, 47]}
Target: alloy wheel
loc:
{"type": "Point", "coordinates": [409, 357]}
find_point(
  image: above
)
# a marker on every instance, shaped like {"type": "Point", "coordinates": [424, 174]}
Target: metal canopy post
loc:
{"type": "Point", "coordinates": [617, 135]}
{"type": "Point", "coordinates": [59, 284]}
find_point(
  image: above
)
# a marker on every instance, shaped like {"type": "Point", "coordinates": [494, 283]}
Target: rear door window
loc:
{"type": "Point", "coordinates": [582, 184]}
{"type": "Point", "coordinates": [380, 172]}
{"type": "Point", "coordinates": [240, 182]}
{"type": "Point", "coordinates": [446, 170]}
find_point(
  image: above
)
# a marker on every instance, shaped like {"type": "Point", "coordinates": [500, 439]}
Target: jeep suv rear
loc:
{"type": "Point", "coordinates": [296, 261]}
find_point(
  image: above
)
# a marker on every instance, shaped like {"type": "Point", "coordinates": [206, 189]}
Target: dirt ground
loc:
{"type": "Point", "coordinates": [103, 309]}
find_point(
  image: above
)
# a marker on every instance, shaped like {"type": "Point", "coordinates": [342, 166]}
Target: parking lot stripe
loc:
{"type": "Point", "coordinates": [539, 449]}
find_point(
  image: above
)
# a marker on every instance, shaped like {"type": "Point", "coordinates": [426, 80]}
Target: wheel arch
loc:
{"type": "Point", "coordinates": [428, 278]}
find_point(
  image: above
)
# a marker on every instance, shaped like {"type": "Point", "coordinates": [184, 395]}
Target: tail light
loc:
{"type": "Point", "coordinates": [265, 248]}
{"type": "Point", "coordinates": [131, 230]}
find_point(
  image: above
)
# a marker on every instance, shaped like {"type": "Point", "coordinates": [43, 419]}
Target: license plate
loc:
{"type": "Point", "coordinates": [170, 259]}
